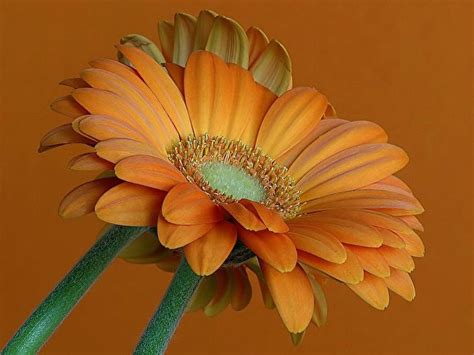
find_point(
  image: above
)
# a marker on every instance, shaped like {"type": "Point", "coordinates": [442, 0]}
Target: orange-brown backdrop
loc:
{"type": "Point", "coordinates": [403, 64]}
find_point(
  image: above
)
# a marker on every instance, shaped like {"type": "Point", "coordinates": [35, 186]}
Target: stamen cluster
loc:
{"type": "Point", "coordinates": [191, 153]}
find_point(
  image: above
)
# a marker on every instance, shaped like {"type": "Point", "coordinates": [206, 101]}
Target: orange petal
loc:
{"type": "Point", "coordinates": [355, 234]}
{"type": "Point", "coordinates": [89, 162]}
{"type": "Point", "coordinates": [352, 169]}
{"type": "Point", "coordinates": [317, 242]}
{"type": "Point", "coordinates": [418, 208]}
{"type": "Point", "coordinates": [391, 239]}
{"type": "Point", "coordinates": [397, 258]}
{"type": "Point", "coordinates": [249, 101]}
{"type": "Point", "coordinates": [177, 74]}
{"type": "Point", "coordinates": [133, 79]}
{"type": "Point", "coordinates": [130, 205]}
{"type": "Point", "coordinates": [272, 219]}
{"type": "Point", "coordinates": [209, 93]}
{"type": "Point", "coordinates": [395, 182]}
{"type": "Point", "coordinates": [350, 271]}
{"type": "Point", "coordinates": [336, 140]}
{"type": "Point", "coordinates": [414, 244]}
{"type": "Point", "coordinates": [83, 198]}
{"type": "Point", "coordinates": [175, 236]}
{"type": "Point", "coordinates": [345, 231]}
{"type": "Point", "coordinates": [118, 68]}
{"type": "Point", "coordinates": [275, 249]}
{"type": "Point", "coordinates": [289, 119]}
{"type": "Point", "coordinates": [61, 135]}
{"type": "Point", "coordinates": [232, 95]}
{"type": "Point", "coordinates": [162, 86]}
{"type": "Point", "coordinates": [155, 125]}
{"type": "Point", "coordinates": [186, 204]}
{"type": "Point", "coordinates": [292, 294]}
{"type": "Point", "coordinates": [149, 171]}
{"type": "Point", "coordinates": [106, 103]}
{"type": "Point", "coordinates": [401, 283]}
{"type": "Point", "coordinates": [67, 106]}
{"type": "Point", "coordinates": [330, 111]}
{"type": "Point", "coordinates": [244, 217]}
{"type": "Point", "coordinates": [206, 254]}
{"type": "Point", "coordinates": [322, 127]}
{"type": "Point", "coordinates": [117, 149]}
{"type": "Point", "coordinates": [384, 201]}
{"type": "Point", "coordinates": [373, 291]}
{"type": "Point", "coordinates": [371, 260]}
{"type": "Point", "coordinates": [74, 83]}
{"type": "Point", "coordinates": [75, 127]}
{"type": "Point", "coordinates": [265, 99]}
{"type": "Point", "coordinates": [413, 222]}
{"type": "Point", "coordinates": [372, 218]}
{"type": "Point", "coordinates": [105, 127]}
{"type": "Point", "coordinates": [207, 73]}
{"type": "Point", "coordinates": [385, 187]}
{"type": "Point", "coordinates": [257, 43]}
{"type": "Point", "coordinates": [241, 289]}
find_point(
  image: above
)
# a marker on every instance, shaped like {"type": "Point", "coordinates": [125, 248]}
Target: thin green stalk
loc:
{"type": "Point", "coordinates": [162, 326]}
{"type": "Point", "coordinates": [55, 308]}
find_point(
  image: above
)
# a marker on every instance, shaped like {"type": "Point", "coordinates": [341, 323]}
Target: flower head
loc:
{"type": "Point", "coordinates": [206, 141]}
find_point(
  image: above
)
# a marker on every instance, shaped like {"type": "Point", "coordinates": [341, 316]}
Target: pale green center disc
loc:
{"type": "Point", "coordinates": [233, 181]}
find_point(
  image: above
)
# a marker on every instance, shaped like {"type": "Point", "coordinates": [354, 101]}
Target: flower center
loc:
{"type": "Point", "coordinates": [233, 181]}
{"type": "Point", "coordinates": [229, 170]}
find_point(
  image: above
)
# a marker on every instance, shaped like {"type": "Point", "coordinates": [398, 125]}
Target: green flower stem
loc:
{"type": "Point", "coordinates": [55, 308]}
{"type": "Point", "coordinates": [162, 326]}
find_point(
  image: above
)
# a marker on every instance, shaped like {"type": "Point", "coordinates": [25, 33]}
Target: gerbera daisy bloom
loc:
{"type": "Point", "coordinates": [214, 155]}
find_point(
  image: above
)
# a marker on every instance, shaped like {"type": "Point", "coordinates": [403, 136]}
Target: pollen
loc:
{"type": "Point", "coordinates": [229, 170]}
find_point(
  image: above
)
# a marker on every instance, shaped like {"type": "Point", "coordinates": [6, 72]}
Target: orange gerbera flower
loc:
{"type": "Point", "coordinates": [209, 156]}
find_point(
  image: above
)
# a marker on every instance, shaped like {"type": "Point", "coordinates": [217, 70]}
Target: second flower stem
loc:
{"type": "Point", "coordinates": [54, 309]}
{"type": "Point", "coordinates": [162, 326]}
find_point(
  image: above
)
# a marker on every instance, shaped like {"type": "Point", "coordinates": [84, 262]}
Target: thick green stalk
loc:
{"type": "Point", "coordinates": [55, 308]}
{"type": "Point", "coordinates": [162, 326]}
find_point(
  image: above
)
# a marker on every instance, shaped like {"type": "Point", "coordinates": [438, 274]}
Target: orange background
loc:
{"type": "Point", "coordinates": [403, 64]}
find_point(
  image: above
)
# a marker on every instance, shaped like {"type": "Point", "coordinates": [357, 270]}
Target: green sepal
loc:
{"type": "Point", "coordinates": [272, 69]}
{"type": "Point", "coordinates": [297, 338]}
{"type": "Point", "coordinates": [146, 45]}
{"type": "Point", "coordinates": [204, 294]}
{"type": "Point", "coordinates": [229, 41]}
{"type": "Point", "coordinates": [184, 31]}
{"type": "Point", "coordinates": [204, 24]}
